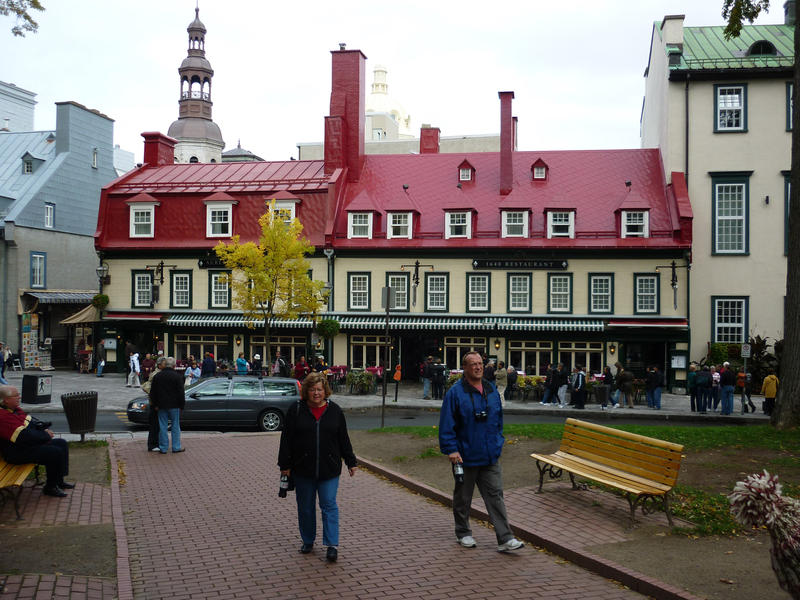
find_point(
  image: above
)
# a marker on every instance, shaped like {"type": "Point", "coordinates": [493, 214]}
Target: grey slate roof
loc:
{"type": "Point", "coordinates": [14, 183]}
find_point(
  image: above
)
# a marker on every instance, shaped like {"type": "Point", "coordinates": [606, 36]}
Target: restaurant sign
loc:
{"type": "Point", "coordinates": [520, 263]}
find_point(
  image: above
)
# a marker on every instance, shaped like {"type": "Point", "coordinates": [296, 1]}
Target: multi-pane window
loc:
{"type": "Point", "coordinates": [730, 320]}
{"type": "Point", "coordinates": [560, 224]}
{"type": "Point", "coordinates": [539, 172]}
{"type": "Point", "coordinates": [730, 108]}
{"type": "Point", "coordinates": [141, 224]}
{"type": "Point", "coordinates": [197, 345]}
{"type": "Point", "coordinates": [218, 220]}
{"type": "Point", "coordinates": [142, 289]}
{"type": "Point", "coordinates": [730, 218]}
{"type": "Point", "coordinates": [27, 167]}
{"type": "Point", "coordinates": [399, 283]}
{"type": "Point", "coordinates": [286, 210]}
{"type": "Point", "coordinates": [477, 292]}
{"type": "Point", "coordinates": [559, 293]}
{"type": "Point", "coordinates": [38, 269]}
{"type": "Point", "coordinates": [456, 347]}
{"type": "Point", "coordinates": [436, 292]}
{"type": "Point", "coordinates": [181, 290]}
{"type": "Point", "coordinates": [530, 356]}
{"type": "Point", "coordinates": [519, 293]}
{"type": "Point", "coordinates": [465, 174]}
{"type": "Point", "coordinates": [219, 290]}
{"type": "Point", "coordinates": [367, 350]}
{"type": "Point", "coordinates": [645, 293]}
{"type": "Point", "coordinates": [399, 225]}
{"type": "Point", "coordinates": [49, 215]}
{"type": "Point", "coordinates": [635, 223]}
{"type": "Point", "coordinates": [601, 289]}
{"type": "Point", "coordinates": [457, 225]}
{"type": "Point", "coordinates": [588, 354]}
{"type": "Point", "coordinates": [359, 225]}
{"type": "Point", "coordinates": [358, 298]}
{"type": "Point", "coordinates": [515, 223]}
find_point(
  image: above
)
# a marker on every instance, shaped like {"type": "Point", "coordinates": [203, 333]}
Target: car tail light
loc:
{"type": "Point", "coordinates": [298, 386]}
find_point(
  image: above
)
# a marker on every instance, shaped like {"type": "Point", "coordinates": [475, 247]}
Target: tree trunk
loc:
{"type": "Point", "coordinates": [787, 407]}
{"type": "Point", "coordinates": [267, 349]}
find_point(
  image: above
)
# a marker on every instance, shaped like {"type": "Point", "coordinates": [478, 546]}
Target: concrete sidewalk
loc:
{"type": "Point", "coordinates": [113, 395]}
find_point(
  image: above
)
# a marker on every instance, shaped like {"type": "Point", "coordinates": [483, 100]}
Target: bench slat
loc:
{"type": "Point", "coordinates": [622, 473]}
{"type": "Point", "coordinates": [601, 476]}
{"type": "Point", "coordinates": [14, 475]}
{"type": "Point", "coordinates": [626, 434]}
{"type": "Point", "coordinates": [665, 471]}
{"type": "Point", "coordinates": [610, 437]}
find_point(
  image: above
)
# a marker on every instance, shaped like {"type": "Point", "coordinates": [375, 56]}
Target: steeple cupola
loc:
{"type": "Point", "coordinates": [199, 138]}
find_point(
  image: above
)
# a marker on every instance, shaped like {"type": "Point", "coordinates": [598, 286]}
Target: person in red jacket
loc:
{"type": "Point", "coordinates": [25, 439]}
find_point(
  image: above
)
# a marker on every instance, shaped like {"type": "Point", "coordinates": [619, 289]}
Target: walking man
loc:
{"type": "Point", "coordinates": [427, 374]}
{"type": "Point", "coordinates": [152, 415]}
{"type": "Point", "coordinates": [167, 397]}
{"type": "Point", "coordinates": [471, 434]}
{"type": "Point", "coordinates": [560, 380]}
{"type": "Point", "coordinates": [133, 374]}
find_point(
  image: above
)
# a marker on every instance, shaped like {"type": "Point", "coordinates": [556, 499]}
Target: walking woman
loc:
{"type": "Point", "coordinates": [314, 442]}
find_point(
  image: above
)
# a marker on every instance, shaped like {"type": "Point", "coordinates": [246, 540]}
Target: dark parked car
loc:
{"type": "Point", "coordinates": [228, 402]}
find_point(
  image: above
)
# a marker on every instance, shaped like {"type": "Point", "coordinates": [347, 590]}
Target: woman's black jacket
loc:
{"type": "Point", "coordinates": [312, 448]}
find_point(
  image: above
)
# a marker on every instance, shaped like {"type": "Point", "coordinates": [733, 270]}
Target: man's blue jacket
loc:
{"type": "Point", "coordinates": [479, 442]}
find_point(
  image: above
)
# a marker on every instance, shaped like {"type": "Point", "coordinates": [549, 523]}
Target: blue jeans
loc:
{"type": "Point", "coordinates": [548, 393]}
{"type": "Point", "coordinates": [727, 399]}
{"type": "Point", "coordinates": [426, 387]}
{"type": "Point", "coordinates": [650, 394]}
{"type": "Point", "coordinates": [703, 399]}
{"type": "Point", "coordinates": [714, 398]}
{"type": "Point", "coordinates": [164, 416]}
{"type": "Point", "coordinates": [100, 369]}
{"type": "Point", "coordinates": [615, 396]}
{"type": "Point", "coordinates": [657, 398]}
{"type": "Point", "coordinates": [306, 490]}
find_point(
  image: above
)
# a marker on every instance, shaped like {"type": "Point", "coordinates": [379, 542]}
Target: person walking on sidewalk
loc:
{"type": "Point", "coordinates": [135, 369]}
{"type": "Point", "coordinates": [691, 384]}
{"type": "Point", "coordinates": [152, 414]}
{"type": "Point", "coordinates": [743, 379]}
{"type": "Point", "coordinates": [471, 434]}
{"type": "Point", "coordinates": [427, 374]}
{"type": "Point", "coordinates": [438, 378]}
{"type": "Point", "coordinates": [579, 388]}
{"type": "Point", "coordinates": [168, 398]}
{"type": "Point", "coordinates": [501, 378]}
{"type": "Point", "coordinates": [727, 381]}
{"type": "Point", "coordinates": [625, 384]}
{"type": "Point", "coordinates": [100, 357]}
{"type": "Point", "coordinates": [561, 381]}
{"type": "Point", "coordinates": [770, 389]}
{"type": "Point", "coordinates": [313, 444]}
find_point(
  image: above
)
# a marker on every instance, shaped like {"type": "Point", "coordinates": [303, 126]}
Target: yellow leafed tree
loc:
{"type": "Point", "coordinates": [269, 280]}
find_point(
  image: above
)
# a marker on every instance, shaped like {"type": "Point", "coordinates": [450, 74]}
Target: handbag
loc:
{"type": "Point", "coordinates": [187, 381]}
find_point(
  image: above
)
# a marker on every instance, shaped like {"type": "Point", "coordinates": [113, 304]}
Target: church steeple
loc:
{"type": "Point", "coordinates": [199, 138]}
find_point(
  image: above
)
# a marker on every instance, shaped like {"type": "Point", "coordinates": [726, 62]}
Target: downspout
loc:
{"type": "Point", "coordinates": [686, 131]}
{"type": "Point", "coordinates": [328, 252]}
{"type": "Point", "coordinates": [4, 335]}
{"type": "Point", "coordinates": [686, 177]}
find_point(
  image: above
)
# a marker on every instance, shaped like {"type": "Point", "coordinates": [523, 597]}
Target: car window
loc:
{"type": "Point", "coordinates": [280, 388]}
{"type": "Point", "coordinates": [246, 388]}
{"type": "Point", "coordinates": [218, 387]}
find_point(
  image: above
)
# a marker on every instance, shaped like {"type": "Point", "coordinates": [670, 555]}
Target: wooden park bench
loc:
{"type": "Point", "coordinates": [644, 468]}
{"type": "Point", "coordinates": [11, 480]}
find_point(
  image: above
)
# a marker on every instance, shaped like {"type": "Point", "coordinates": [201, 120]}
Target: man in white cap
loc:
{"type": "Point", "coordinates": [256, 364]}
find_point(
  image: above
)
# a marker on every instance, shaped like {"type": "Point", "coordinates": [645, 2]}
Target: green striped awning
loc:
{"type": "Point", "coordinates": [232, 320]}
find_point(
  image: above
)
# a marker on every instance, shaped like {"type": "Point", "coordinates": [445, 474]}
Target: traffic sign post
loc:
{"type": "Point", "coordinates": [746, 350]}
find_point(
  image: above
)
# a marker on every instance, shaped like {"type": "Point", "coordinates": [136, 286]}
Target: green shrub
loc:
{"type": "Point", "coordinates": [362, 382]}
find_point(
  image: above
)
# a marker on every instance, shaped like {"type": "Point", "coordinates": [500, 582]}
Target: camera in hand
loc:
{"type": "Point", "coordinates": [284, 486]}
{"type": "Point", "coordinates": [42, 425]}
{"type": "Point", "coordinates": [480, 416]}
{"type": "Point", "coordinates": [458, 472]}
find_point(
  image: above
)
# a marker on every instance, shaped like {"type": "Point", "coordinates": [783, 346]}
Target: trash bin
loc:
{"type": "Point", "coordinates": [81, 411]}
{"type": "Point", "coordinates": [37, 388]}
{"type": "Point", "coordinates": [601, 394]}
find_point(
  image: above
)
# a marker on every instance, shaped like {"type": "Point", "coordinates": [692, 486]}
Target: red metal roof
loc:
{"type": "Point", "coordinates": [592, 182]}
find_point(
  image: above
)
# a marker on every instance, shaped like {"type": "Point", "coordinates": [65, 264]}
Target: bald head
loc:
{"type": "Point", "coordinates": [9, 397]}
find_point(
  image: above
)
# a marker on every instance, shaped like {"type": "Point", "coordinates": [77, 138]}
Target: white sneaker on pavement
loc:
{"type": "Point", "coordinates": [512, 544]}
{"type": "Point", "coordinates": [467, 541]}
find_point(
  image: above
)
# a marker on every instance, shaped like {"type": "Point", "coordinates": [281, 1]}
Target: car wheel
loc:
{"type": "Point", "coordinates": [270, 420]}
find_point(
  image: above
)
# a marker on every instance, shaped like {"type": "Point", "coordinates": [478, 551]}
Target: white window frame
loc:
{"type": "Point", "coordinates": [358, 288]}
{"type": "Point", "coordinates": [394, 229]}
{"type": "Point", "coordinates": [286, 207]}
{"type": "Point", "coordinates": [464, 174]}
{"type": "Point", "coordinates": [143, 294]}
{"type": "Point", "coordinates": [732, 106]}
{"type": "Point", "coordinates": [49, 215]}
{"type": "Point", "coordinates": [539, 172]}
{"type": "Point", "coordinates": [478, 287]}
{"type": "Point", "coordinates": [142, 208]}
{"type": "Point", "coordinates": [629, 226]}
{"type": "Point", "coordinates": [38, 269]}
{"type": "Point", "coordinates": [720, 218]}
{"type": "Point", "coordinates": [552, 224]}
{"type": "Point", "coordinates": [646, 295]}
{"type": "Point", "coordinates": [440, 283]}
{"type": "Point", "coordinates": [352, 217]}
{"type": "Point", "coordinates": [730, 325]}
{"type": "Point", "coordinates": [185, 279]}
{"type": "Point", "coordinates": [27, 167]}
{"type": "Point", "coordinates": [605, 296]}
{"type": "Point", "coordinates": [212, 210]}
{"type": "Point", "coordinates": [507, 214]}
{"type": "Point", "coordinates": [564, 297]}
{"type": "Point", "coordinates": [399, 283]}
{"type": "Point", "coordinates": [94, 158]}
{"type": "Point", "coordinates": [220, 287]}
{"type": "Point", "coordinates": [516, 293]}
{"type": "Point", "coordinates": [449, 224]}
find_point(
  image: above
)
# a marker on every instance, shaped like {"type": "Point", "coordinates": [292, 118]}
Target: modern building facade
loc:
{"type": "Point", "coordinates": [530, 257]}
{"type": "Point", "coordinates": [50, 185]}
{"type": "Point", "coordinates": [719, 112]}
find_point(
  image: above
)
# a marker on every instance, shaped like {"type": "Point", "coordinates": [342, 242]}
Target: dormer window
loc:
{"type": "Point", "coordinates": [635, 223]}
{"type": "Point", "coordinates": [286, 210]}
{"type": "Point", "coordinates": [515, 223]}
{"type": "Point", "coordinates": [560, 224]}
{"type": "Point", "coordinates": [27, 167]}
{"type": "Point", "coordinates": [457, 225]}
{"type": "Point", "coordinates": [539, 170]}
{"type": "Point", "coordinates": [219, 219]}
{"type": "Point", "coordinates": [762, 47]}
{"type": "Point", "coordinates": [466, 172]}
{"type": "Point", "coordinates": [142, 219]}
{"type": "Point", "coordinates": [400, 224]}
{"type": "Point", "coordinates": [359, 225]}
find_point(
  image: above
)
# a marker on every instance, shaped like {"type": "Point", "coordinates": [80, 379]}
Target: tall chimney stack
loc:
{"type": "Point", "coordinates": [159, 149]}
{"type": "Point", "coordinates": [429, 140]}
{"type": "Point", "coordinates": [506, 143]}
{"type": "Point", "coordinates": [344, 128]}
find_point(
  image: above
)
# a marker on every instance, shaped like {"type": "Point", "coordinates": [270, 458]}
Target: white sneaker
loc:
{"type": "Point", "coordinates": [467, 541]}
{"type": "Point", "coordinates": [512, 544]}
{"type": "Point", "coordinates": [615, 406]}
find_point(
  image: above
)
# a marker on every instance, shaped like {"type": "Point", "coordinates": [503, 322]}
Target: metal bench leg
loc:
{"type": "Point", "coordinates": [666, 509]}
{"type": "Point", "coordinates": [548, 469]}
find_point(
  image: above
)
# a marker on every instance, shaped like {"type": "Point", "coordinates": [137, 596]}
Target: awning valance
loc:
{"type": "Point", "coordinates": [88, 314]}
{"type": "Point", "coordinates": [232, 320]}
{"type": "Point", "coordinates": [131, 316]}
{"type": "Point", "coordinates": [669, 323]}
{"type": "Point", "coordinates": [62, 297]}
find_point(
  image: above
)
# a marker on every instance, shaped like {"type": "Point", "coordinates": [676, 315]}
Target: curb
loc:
{"type": "Point", "coordinates": [636, 581]}
{"type": "Point", "coordinates": [124, 582]}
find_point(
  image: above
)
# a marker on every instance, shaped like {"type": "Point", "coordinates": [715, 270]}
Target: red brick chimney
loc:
{"type": "Point", "coordinates": [507, 142]}
{"type": "Point", "coordinates": [344, 128]}
{"type": "Point", "coordinates": [159, 149]}
{"type": "Point", "coordinates": [429, 140]}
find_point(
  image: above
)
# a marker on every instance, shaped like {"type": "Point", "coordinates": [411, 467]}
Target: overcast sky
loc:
{"type": "Point", "coordinates": [576, 67]}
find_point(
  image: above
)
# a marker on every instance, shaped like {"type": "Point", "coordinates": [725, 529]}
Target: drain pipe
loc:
{"type": "Point", "coordinates": [686, 131]}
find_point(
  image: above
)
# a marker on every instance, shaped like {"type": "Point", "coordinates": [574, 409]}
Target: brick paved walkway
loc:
{"type": "Point", "coordinates": [208, 524]}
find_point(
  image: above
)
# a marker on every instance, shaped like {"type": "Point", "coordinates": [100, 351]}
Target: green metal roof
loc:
{"type": "Point", "coordinates": [706, 48]}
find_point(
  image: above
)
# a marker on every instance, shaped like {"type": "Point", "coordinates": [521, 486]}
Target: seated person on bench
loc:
{"type": "Point", "coordinates": [25, 439]}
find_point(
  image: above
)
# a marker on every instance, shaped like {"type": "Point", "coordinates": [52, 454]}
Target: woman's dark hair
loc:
{"type": "Point", "coordinates": [310, 381]}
